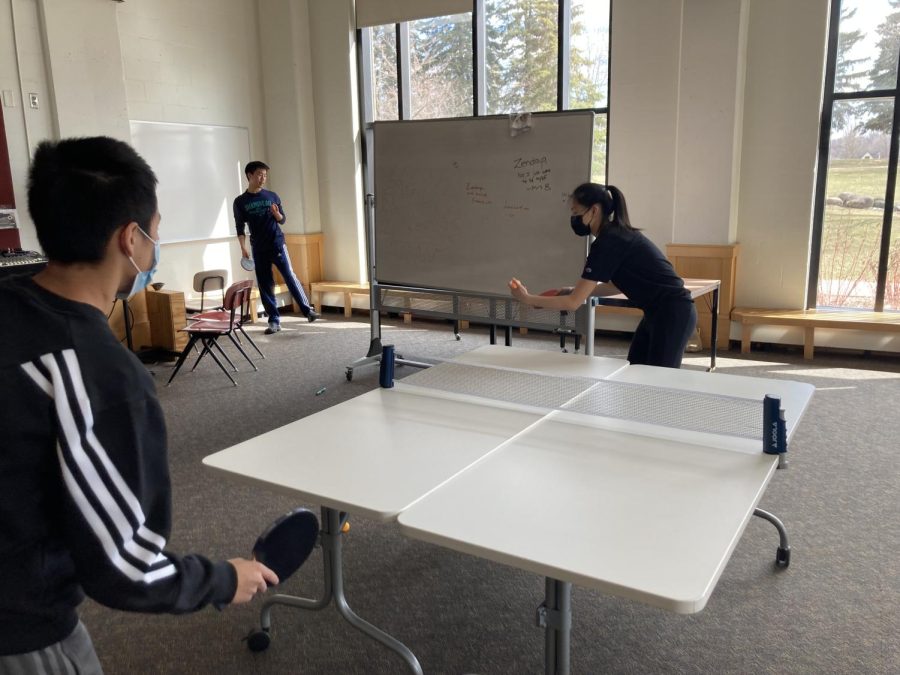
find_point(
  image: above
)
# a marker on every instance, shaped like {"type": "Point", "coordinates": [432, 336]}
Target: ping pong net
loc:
{"type": "Point", "coordinates": [649, 408]}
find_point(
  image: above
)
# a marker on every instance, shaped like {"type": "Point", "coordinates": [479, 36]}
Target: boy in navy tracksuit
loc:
{"type": "Point", "coordinates": [263, 212]}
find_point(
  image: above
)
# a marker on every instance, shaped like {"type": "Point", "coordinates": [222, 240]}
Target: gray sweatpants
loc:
{"type": "Point", "coordinates": [74, 655]}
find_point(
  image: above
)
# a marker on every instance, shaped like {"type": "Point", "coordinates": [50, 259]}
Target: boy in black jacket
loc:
{"type": "Point", "coordinates": [84, 481]}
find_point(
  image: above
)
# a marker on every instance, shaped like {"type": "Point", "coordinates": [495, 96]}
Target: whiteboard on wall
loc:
{"type": "Point", "coordinates": [200, 169]}
{"type": "Point", "coordinates": [463, 204]}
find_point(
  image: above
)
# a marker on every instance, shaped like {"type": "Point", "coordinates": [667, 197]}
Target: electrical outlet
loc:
{"type": "Point", "coordinates": [33, 100]}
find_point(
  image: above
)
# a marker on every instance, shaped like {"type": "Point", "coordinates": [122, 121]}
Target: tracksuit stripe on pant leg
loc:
{"type": "Point", "coordinates": [287, 262]}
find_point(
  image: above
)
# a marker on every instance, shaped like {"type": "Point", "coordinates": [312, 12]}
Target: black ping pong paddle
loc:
{"type": "Point", "coordinates": [287, 542]}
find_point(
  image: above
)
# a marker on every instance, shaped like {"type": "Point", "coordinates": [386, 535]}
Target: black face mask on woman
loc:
{"type": "Point", "coordinates": [578, 226]}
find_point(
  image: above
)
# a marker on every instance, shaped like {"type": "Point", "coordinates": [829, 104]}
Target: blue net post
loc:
{"type": "Point", "coordinates": [774, 429]}
{"type": "Point", "coordinates": [386, 373]}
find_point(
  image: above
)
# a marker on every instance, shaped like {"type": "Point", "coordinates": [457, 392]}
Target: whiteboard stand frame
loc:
{"type": "Point", "coordinates": [455, 304]}
{"type": "Point", "coordinates": [581, 322]}
{"type": "Point", "coordinates": [373, 356]}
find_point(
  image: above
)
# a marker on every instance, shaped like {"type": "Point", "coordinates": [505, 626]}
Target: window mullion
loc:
{"type": "Point", "coordinates": [403, 97]}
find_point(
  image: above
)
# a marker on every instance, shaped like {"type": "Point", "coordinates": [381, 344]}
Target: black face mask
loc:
{"type": "Point", "coordinates": [578, 226]}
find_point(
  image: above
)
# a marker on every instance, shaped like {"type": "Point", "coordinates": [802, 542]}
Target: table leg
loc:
{"type": "Point", "coordinates": [783, 554]}
{"type": "Point", "coordinates": [714, 329]}
{"type": "Point", "coordinates": [555, 617]}
{"type": "Point", "coordinates": [585, 323]}
{"type": "Point", "coordinates": [333, 590]}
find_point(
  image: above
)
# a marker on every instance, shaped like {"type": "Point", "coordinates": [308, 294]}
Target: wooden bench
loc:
{"type": "Point", "coordinates": [810, 319]}
{"type": "Point", "coordinates": [255, 301]}
{"type": "Point", "coordinates": [348, 288]}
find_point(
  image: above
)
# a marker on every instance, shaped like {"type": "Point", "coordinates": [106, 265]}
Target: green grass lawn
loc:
{"type": "Point", "coordinates": [851, 238]}
{"type": "Point", "coordinates": [866, 177]}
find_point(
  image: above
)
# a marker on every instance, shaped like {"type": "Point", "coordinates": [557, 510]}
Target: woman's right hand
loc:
{"type": "Point", "coordinates": [518, 290]}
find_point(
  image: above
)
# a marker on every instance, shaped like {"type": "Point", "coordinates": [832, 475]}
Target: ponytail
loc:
{"type": "Point", "coordinates": [610, 199]}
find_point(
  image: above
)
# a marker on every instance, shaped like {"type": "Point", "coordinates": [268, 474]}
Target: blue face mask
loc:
{"type": "Point", "coordinates": [143, 279]}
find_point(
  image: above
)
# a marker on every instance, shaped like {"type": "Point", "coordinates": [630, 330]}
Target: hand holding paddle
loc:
{"type": "Point", "coordinates": [252, 577]}
{"type": "Point", "coordinates": [287, 543]}
{"type": "Point", "coordinates": [518, 289]}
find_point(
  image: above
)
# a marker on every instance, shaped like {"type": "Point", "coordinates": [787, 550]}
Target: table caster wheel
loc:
{"type": "Point", "coordinates": [349, 374]}
{"type": "Point", "coordinates": [783, 557]}
{"type": "Point", "coordinates": [259, 640]}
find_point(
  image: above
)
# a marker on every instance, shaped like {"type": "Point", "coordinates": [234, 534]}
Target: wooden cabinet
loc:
{"type": "Point", "coordinates": [709, 261]}
{"type": "Point", "coordinates": [137, 319]}
{"type": "Point", "coordinates": [307, 258]}
{"type": "Point", "coordinates": [166, 313]}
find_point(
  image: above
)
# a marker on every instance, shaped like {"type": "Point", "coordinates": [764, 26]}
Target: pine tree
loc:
{"type": "Point", "coordinates": [883, 73]}
{"type": "Point", "coordinates": [384, 73]}
{"type": "Point", "coordinates": [441, 67]}
{"type": "Point", "coordinates": [521, 56]}
{"type": "Point", "coordinates": [847, 71]}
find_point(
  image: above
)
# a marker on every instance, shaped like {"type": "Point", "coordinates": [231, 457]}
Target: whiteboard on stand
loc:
{"type": "Point", "coordinates": [465, 204]}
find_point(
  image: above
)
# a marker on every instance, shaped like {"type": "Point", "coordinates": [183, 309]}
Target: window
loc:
{"type": "Point", "coordinates": [521, 55]}
{"type": "Point", "coordinates": [506, 56]}
{"type": "Point", "coordinates": [855, 261]}
{"type": "Point", "coordinates": [440, 67]}
{"type": "Point", "coordinates": [589, 71]}
{"type": "Point", "coordinates": [383, 77]}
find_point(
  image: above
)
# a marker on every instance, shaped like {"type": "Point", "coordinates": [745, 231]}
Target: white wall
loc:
{"type": "Point", "coordinates": [786, 50]}
{"type": "Point", "coordinates": [708, 136]}
{"type": "Point", "coordinates": [333, 49]}
{"type": "Point", "coordinates": [644, 62]}
{"type": "Point", "coordinates": [284, 38]}
{"type": "Point", "coordinates": [676, 89]}
{"type": "Point", "coordinates": [23, 71]}
{"type": "Point", "coordinates": [85, 68]}
{"type": "Point", "coordinates": [195, 62]}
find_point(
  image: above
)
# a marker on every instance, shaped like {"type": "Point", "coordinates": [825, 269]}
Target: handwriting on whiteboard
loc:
{"type": "Point", "coordinates": [512, 209]}
{"type": "Point", "coordinates": [533, 172]}
{"type": "Point", "coordinates": [477, 194]}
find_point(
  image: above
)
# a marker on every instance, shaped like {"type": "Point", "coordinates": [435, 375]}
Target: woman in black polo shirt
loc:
{"type": "Point", "coordinates": [624, 257]}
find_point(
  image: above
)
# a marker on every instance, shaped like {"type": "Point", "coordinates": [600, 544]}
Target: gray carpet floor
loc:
{"type": "Point", "coordinates": [835, 610]}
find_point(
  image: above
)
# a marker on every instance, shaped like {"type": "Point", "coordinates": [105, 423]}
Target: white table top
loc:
{"type": "Point", "coordinates": [376, 454]}
{"type": "Point", "coordinates": [638, 516]}
{"type": "Point", "coordinates": [541, 361]}
{"type": "Point", "coordinates": [642, 517]}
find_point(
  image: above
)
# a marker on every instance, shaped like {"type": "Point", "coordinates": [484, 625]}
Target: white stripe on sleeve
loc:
{"type": "Point", "coordinates": [95, 482]}
{"type": "Point", "coordinates": [38, 377]}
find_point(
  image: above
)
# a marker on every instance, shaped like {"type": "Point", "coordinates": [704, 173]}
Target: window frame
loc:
{"type": "Point", "coordinates": [366, 83]}
{"type": "Point", "coordinates": [830, 97]}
